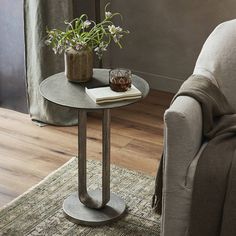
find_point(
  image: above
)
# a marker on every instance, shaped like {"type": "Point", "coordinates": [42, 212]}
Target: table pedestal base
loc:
{"type": "Point", "coordinates": [80, 214]}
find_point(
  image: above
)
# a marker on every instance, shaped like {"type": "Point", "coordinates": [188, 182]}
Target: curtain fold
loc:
{"type": "Point", "coordinates": [41, 62]}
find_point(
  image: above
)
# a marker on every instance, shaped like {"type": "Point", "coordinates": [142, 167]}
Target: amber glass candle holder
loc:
{"type": "Point", "coordinates": [120, 79]}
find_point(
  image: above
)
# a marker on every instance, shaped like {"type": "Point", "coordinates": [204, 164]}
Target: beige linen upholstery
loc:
{"type": "Point", "coordinates": [183, 128]}
{"type": "Point", "coordinates": [217, 59]}
{"type": "Point", "coordinates": [183, 137]}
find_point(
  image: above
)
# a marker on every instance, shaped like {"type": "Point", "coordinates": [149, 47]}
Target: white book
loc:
{"type": "Point", "coordinates": [105, 94]}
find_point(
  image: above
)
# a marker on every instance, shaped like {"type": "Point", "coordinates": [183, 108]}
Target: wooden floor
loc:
{"type": "Point", "coordinates": [28, 153]}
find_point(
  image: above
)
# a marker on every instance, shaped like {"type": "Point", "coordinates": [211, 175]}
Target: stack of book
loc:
{"type": "Point", "coordinates": [105, 94]}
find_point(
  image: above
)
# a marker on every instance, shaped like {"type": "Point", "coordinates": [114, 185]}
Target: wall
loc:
{"type": "Point", "coordinates": [166, 37]}
{"type": "Point", "coordinates": [165, 40]}
{"type": "Point", "coordinates": [12, 73]}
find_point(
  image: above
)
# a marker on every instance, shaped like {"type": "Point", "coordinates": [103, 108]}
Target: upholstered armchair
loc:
{"type": "Point", "coordinates": [183, 141]}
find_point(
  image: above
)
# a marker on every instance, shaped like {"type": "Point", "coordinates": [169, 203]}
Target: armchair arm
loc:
{"type": "Point", "coordinates": [182, 141]}
{"type": "Point", "coordinates": [183, 138]}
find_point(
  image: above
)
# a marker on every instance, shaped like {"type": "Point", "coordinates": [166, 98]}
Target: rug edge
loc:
{"type": "Point", "coordinates": [36, 185]}
{"type": "Point", "coordinates": [113, 165]}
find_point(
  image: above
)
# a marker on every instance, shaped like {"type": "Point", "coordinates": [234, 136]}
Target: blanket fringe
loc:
{"type": "Point", "coordinates": [157, 197]}
{"type": "Point", "coordinates": [156, 204]}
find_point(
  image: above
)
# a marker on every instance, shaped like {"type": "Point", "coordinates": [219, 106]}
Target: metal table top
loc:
{"type": "Point", "coordinates": [59, 90]}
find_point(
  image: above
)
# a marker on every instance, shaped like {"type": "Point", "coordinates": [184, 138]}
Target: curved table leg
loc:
{"type": "Point", "coordinates": [94, 207]}
{"type": "Point", "coordinates": [84, 197]}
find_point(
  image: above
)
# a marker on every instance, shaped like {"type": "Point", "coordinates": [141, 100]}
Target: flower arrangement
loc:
{"type": "Point", "coordinates": [82, 33]}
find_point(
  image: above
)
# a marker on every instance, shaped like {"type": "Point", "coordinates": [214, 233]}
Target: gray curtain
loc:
{"type": "Point", "coordinates": [41, 61]}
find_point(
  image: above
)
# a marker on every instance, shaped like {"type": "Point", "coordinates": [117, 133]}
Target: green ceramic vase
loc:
{"type": "Point", "coordinates": [78, 65]}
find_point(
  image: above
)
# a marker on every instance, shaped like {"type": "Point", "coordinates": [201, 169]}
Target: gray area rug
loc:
{"type": "Point", "coordinates": [39, 211]}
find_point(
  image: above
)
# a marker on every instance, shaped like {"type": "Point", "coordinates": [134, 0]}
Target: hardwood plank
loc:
{"type": "Point", "coordinates": [28, 153]}
{"type": "Point", "coordinates": [132, 129]}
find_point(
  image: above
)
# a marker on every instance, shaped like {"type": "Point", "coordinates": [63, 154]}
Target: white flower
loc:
{"type": "Point", "coordinates": [114, 30]}
{"type": "Point", "coordinates": [68, 42]}
{"type": "Point", "coordinates": [54, 50]}
{"type": "Point", "coordinates": [103, 46]}
{"type": "Point", "coordinates": [47, 42]}
{"type": "Point", "coordinates": [108, 14]}
{"type": "Point", "coordinates": [118, 29]}
{"type": "Point", "coordinates": [60, 50]}
{"type": "Point", "coordinates": [80, 46]}
{"type": "Point", "coordinates": [100, 49]}
{"type": "Point", "coordinates": [86, 24]}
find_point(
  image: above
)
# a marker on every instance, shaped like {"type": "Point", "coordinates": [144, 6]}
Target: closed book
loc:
{"type": "Point", "coordinates": [105, 94]}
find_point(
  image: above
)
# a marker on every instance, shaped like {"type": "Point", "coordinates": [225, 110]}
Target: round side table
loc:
{"type": "Point", "coordinates": [94, 207]}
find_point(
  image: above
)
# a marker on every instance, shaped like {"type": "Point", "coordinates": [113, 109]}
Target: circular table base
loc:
{"type": "Point", "coordinates": [78, 213]}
